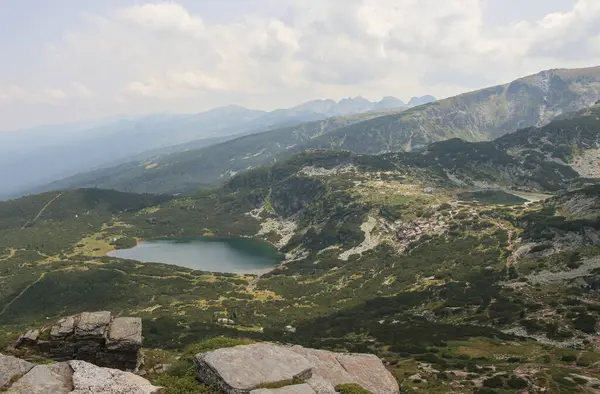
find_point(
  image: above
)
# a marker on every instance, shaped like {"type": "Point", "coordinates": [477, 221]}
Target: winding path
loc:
{"type": "Point", "coordinates": [41, 211]}
{"type": "Point", "coordinates": [21, 293]}
{"type": "Point", "coordinates": [11, 253]}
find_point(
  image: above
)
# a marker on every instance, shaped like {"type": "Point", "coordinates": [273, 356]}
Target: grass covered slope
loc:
{"type": "Point", "coordinates": [481, 115]}
{"type": "Point", "coordinates": [383, 255]}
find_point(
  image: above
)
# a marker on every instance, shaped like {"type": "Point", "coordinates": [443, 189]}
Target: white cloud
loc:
{"type": "Point", "coordinates": [163, 56]}
{"type": "Point", "coordinates": [34, 96]}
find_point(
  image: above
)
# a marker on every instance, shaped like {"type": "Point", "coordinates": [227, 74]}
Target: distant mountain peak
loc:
{"type": "Point", "coordinates": [421, 100]}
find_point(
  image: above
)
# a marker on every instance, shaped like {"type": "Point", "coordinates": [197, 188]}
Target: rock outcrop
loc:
{"type": "Point", "coordinates": [11, 369]}
{"type": "Point", "coordinates": [294, 389]}
{"type": "Point", "coordinates": [95, 337]}
{"type": "Point", "coordinates": [69, 377]}
{"type": "Point", "coordinates": [244, 369]}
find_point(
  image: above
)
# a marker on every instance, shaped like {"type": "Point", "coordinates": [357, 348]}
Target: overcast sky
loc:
{"type": "Point", "coordinates": [73, 60]}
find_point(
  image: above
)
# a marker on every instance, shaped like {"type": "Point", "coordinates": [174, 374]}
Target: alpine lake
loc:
{"type": "Point", "coordinates": [231, 255]}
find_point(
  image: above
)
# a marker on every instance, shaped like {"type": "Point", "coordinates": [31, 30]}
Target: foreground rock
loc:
{"type": "Point", "coordinates": [295, 389]}
{"type": "Point", "coordinates": [243, 369]}
{"type": "Point", "coordinates": [71, 377]}
{"type": "Point", "coordinates": [11, 369]}
{"type": "Point", "coordinates": [95, 337]}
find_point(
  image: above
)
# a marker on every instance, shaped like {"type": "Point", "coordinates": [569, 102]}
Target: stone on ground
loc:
{"type": "Point", "coordinates": [95, 337]}
{"type": "Point", "coordinates": [90, 379]}
{"type": "Point", "coordinates": [45, 379]}
{"type": "Point", "coordinates": [71, 377]}
{"type": "Point", "coordinates": [11, 369]}
{"type": "Point", "coordinates": [240, 369]}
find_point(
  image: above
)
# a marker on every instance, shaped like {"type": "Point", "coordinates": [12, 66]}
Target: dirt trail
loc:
{"type": "Point", "coordinates": [41, 211]}
{"type": "Point", "coordinates": [512, 242]}
{"type": "Point", "coordinates": [11, 253]}
{"type": "Point", "coordinates": [21, 294]}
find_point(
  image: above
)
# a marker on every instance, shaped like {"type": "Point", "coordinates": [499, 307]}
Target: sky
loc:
{"type": "Point", "coordinates": [65, 61]}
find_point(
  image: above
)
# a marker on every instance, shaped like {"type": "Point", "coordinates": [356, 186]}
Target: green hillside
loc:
{"type": "Point", "coordinates": [477, 116]}
{"type": "Point", "coordinates": [384, 254]}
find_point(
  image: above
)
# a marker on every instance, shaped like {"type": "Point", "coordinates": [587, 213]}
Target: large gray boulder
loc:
{"type": "Point", "coordinates": [95, 337]}
{"type": "Point", "coordinates": [45, 379]}
{"type": "Point", "coordinates": [71, 377]}
{"type": "Point", "coordinates": [242, 369]}
{"type": "Point", "coordinates": [11, 369]}
{"type": "Point", "coordinates": [90, 379]}
{"type": "Point", "coordinates": [92, 324]}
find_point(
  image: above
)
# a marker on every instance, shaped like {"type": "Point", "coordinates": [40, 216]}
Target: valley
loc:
{"type": "Point", "coordinates": [426, 259]}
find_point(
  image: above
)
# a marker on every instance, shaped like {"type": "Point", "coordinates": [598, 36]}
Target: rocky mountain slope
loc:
{"type": "Point", "coordinates": [481, 115]}
{"type": "Point", "coordinates": [185, 172]}
{"type": "Point", "coordinates": [466, 266]}
{"type": "Point", "coordinates": [44, 154]}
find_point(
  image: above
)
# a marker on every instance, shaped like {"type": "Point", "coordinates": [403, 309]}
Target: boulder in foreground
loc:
{"type": "Point", "coordinates": [244, 369]}
{"type": "Point", "coordinates": [95, 337]}
{"type": "Point", "coordinates": [69, 377]}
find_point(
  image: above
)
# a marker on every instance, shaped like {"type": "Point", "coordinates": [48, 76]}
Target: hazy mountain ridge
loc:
{"type": "Point", "coordinates": [481, 115]}
{"type": "Point", "coordinates": [44, 154]}
{"type": "Point", "coordinates": [186, 171]}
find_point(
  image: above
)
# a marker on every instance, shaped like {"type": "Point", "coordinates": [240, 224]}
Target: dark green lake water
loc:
{"type": "Point", "coordinates": [235, 255]}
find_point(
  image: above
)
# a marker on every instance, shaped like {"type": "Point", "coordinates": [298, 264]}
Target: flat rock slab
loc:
{"type": "Point", "coordinates": [11, 369]}
{"type": "Point", "coordinates": [90, 379]}
{"type": "Point", "coordinates": [125, 331]}
{"type": "Point", "coordinates": [45, 379]}
{"type": "Point", "coordinates": [325, 365]}
{"type": "Point", "coordinates": [239, 369]}
{"type": "Point", "coordinates": [64, 327]}
{"type": "Point", "coordinates": [92, 323]}
{"type": "Point", "coordinates": [71, 377]}
{"type": "Point", "coordinates": [295, 389]}
{"type": "Point", "coordinates": [368, 371]}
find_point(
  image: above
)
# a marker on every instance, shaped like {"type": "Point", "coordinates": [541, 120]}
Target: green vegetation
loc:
{"type": "Point", "coordinates": [351, 388]}
{"type": "Point", "coordinates": [385, 255]}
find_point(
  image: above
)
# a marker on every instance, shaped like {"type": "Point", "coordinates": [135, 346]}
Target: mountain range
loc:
{"type": "Point", "coordinates": [481, 115]}
{"type": "Point", "coordinates": [33, 157]}
{"type": "Point", "coordinates": [468, 266]}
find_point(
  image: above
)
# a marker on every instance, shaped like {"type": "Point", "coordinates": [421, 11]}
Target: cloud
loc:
{"type": "Point", "coordinates": [163, 17]}
{"type": "Point", "coordinates": [161, 55]}
{"type": "Point", "coordinates": [47, 95]}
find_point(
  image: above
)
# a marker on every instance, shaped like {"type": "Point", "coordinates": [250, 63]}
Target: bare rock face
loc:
{"type": "Point", "coordinates": [90, 379]}
{"type": "Point", "coordinates": [295, 389]}
{"type": "Point", "coordinates": [95, 337]}
{"type": "Point", "coordinates": [71, 377]}
{"type": "Point", "coordinates": [11, 369]}
{"type": "Point", "coordinates": [43, 379]}
{"type": "Point", "coordinates": [242, 369]}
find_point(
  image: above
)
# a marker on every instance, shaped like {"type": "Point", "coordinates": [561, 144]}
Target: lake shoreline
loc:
{"type": "Point", "coordinates": [218, 254]}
